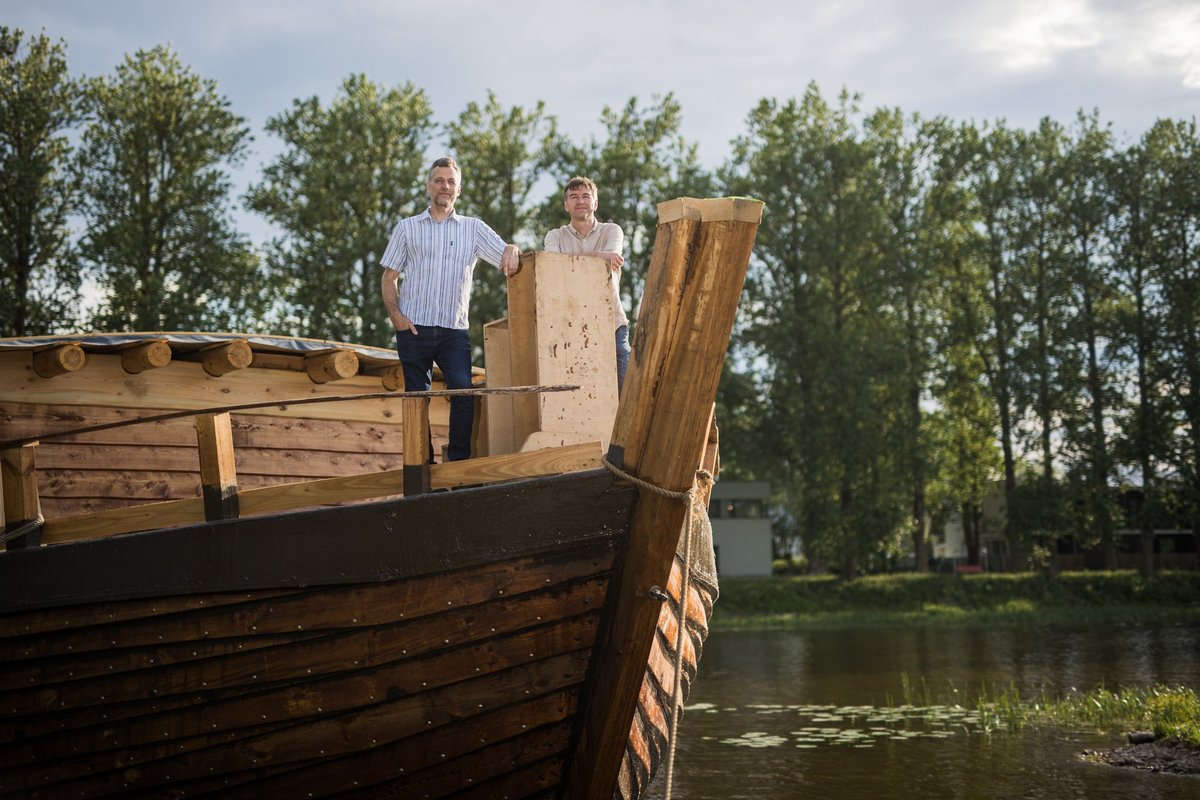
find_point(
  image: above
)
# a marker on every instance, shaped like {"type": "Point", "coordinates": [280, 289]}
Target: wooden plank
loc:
{"type": "Point", "coordinates": [341, 545]}
{"type": "Point", "coordinates": [218, 476]}
{"type": "Point", "coordinates": [249, 430]}
{"type": "Point", "coordinates": [522, 341]}
{"type": "Point", "coordinates": [18, 476]}
{"type": "Point", "coordinates": [155, 620]}
{"type": "Point", "coordinates": [497, 354]}
{"type": "Point", "coordinates": [291, 496]}
{"type": "Point", "coordinates": [388, 770]}
{"type": "Point", "coordinates": [694, 282]}
{"type": "Point", "coordinates": [255, 460]}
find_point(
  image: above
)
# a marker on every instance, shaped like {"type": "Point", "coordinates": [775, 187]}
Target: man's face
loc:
{"type": "Point", "coordinates": [580, 203]}
{"type": "Point", "coordinates": [444, 186]}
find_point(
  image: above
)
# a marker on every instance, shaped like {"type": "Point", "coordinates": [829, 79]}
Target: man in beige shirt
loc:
{"type": "Point", "coordinates": [585, 236]}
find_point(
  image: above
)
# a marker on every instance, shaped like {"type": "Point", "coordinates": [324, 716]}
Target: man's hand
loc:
{"type": "Point", "coordinates": [510, 261]}
{"type": "Point", "coordinates": [401, 322]}
{"type": "Point", "coordinates": [615, 259]}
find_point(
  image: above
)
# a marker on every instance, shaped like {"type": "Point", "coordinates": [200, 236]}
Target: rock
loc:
{"type": "Point", "coordinates": [1141, 737]}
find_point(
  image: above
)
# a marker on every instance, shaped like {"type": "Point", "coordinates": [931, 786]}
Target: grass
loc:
{"type": "Point", "coordinates": [826, 602]}
{"type": "Point", "coordinates": [1173, 713]}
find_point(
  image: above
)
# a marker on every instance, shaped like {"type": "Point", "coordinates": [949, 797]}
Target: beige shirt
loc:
{"type": "Point", "coordinates": [603, 236]}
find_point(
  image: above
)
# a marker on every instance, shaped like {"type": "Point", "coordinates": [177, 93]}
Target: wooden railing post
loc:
{"type": "Point", "coordinates": [701, 252]}
{"type": "Point", "coordinates": [218, 473]}
{"type": "Point", "coordinates": [21, 505]}
{"type": "Point", "coordinates": [416, 445]}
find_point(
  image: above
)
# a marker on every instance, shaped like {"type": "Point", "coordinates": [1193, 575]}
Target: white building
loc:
{"type": "Point", "coordinates": [741, 527]}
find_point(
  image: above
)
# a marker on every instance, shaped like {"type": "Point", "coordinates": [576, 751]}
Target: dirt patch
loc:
{"type": "Point", "coordinates": [1176, 758]}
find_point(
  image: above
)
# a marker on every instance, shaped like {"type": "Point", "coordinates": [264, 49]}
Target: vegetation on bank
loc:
{"type": "Point", "coordinates": [924, 599]}
{"type": "Point", "coordinates": [1172, 713]}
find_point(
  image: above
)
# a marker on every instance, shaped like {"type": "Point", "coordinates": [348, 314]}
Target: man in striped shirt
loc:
{"type": "Point", "coordinates": [436, 251]}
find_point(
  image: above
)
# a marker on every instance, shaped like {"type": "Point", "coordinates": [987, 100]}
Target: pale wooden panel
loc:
{"type": "Point", "coordinates": [498, 409]}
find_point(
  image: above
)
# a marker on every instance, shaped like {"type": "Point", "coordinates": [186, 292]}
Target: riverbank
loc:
{"type": "Point", "coordinates": [827, 602]}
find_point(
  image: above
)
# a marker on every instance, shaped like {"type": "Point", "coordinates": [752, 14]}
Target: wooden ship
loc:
{"type": "Point", "coordinates": [223, 578]}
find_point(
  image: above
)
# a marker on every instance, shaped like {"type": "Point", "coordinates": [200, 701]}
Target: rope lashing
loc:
{"type": "Point", "coordinates": [29, 527]}
{"type": "Point", "coordinates": [688, 533]}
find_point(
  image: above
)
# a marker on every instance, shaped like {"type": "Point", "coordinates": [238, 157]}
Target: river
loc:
{"type": "Point", "coordinates": [819, 714]}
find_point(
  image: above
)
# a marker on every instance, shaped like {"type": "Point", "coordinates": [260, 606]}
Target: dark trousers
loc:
{"type": "Point", "coordinates": [622, 356]}
{"type": "Point", "coordinates": [450, 349]}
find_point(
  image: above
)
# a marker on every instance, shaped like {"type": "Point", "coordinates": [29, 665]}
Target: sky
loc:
{"type": "Point", "coordinates": [1134, 61]}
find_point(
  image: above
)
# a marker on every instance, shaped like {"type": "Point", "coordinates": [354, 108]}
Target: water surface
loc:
{"type": "Point", "coordinates": [782, 714]}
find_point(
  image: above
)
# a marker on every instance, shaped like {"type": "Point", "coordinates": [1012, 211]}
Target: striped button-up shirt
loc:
{"type": "Point", "coordinates": [437, 260]}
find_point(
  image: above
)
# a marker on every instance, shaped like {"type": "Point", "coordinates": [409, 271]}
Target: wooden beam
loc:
{"type": "Point", "coordinates": [227, 357]}
{"type": "Point", "coordinates": [18, 476]}
{"type": "Point", "coordinates": [144, 356]}
{"type": "Point", "coordinates": [701, 252]}
{"type": "Point", "coordinates": [327, 491]}
{"type": "Point", "coordinates": [218, 475]}
{"type": "Point", "coordinates": [416, 445]}
{"type": "Point", "coordinates": [59, 360]}
{"type": "Point", "coordinates": [333, 365]}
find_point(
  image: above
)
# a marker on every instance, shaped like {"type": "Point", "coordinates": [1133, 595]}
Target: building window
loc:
{"type": "Point", "coordinates": [728, 508]}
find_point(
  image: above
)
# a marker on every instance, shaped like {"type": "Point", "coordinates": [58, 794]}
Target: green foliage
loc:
{"type": "Point", "coordinates": [39, 282]}
{"type": "Point", "coordinates": [156, 195]}
{"type": "Point", "coordinates": [348, 173]}
{"type": "Point", "coordinates": [911, 598]}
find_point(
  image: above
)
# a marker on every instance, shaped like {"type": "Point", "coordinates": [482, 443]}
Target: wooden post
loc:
{"type": "Point", "coordinates": [416, 445]}
{"type": "Point", "coordinates": [218, 474]}
{"type": "Point", "coordinates": [21, 505]}
{"type": "Point", "coordinates": [701, 252]}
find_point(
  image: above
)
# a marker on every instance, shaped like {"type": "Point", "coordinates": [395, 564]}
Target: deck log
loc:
{"type": "Point", "coordinates": [59, 360]}
{"type": "Point", "coordinates": [701, 252]}
{"type": "Point", "coordinates": [226, 358]}
{"type": "Point", "coordinates": [149, 355]}
{"type": "Point", "coordinates": [335, 365]}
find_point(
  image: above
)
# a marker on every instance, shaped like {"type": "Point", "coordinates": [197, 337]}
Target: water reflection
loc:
{"type": "Point", "coordinates": [772, 713]}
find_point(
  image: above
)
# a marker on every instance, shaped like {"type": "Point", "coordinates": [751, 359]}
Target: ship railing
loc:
{"type": "Point", "coordinates": [221, 499]}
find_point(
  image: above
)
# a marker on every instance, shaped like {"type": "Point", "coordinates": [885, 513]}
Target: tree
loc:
{"type": "Point", "coordinates": [39, 285]}
{"type": "Point", "coordinates": [1170, 362]}
{"type": "Point", "coordinates": [814, 306]}
{"type": "Point", "coordinates": [503, 154]}
{"type": "Point", "coordinates": [160, 233]}
{"type": "Point", "coordinates": [348, 173]}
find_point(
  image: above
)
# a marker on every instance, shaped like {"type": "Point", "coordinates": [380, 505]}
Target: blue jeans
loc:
{"type": "Point", "coordinates": [450, 349]}
{"type": "Point", "coordinates": [622, 356]}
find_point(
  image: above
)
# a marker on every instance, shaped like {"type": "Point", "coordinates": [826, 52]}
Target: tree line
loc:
{"type": "Point", "coordinates": [934, 308]}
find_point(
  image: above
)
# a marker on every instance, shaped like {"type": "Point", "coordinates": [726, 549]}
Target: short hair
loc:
{"type": "Point", "coordinates": [445, 161]}
{"type": "Point", "coordinates": [580, 182]}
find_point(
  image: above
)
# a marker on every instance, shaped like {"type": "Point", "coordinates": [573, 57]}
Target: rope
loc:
{"type": "Point", "coordinates": [688, 534]}
{"type": "Point", "coordinates": [29, 527]}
